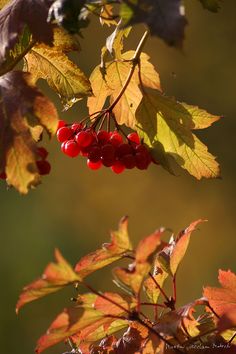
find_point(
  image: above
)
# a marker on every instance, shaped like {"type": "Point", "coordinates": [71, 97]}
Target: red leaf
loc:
{"type": "Point", "coordinates": [223, 300]}
{"type": "Point", "coordinates": [109, 253]}
{"type": "Point", "coordinates": [56, 276]}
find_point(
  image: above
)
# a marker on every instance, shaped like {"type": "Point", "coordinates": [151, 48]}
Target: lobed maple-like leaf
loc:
{"type": "Point", "coordinates": [62, 75]}
{"type": "Point", "coordinates": [223, 300]}
{"type": "Point", "coordinates": [171, 255]}
{"type": "Point", "coordinates": [109, 253]}
{"type": "Point", "coordinates": [55, 277]}
{"type": "Point", "coordinates": [113, 81]}
{"type": "Point", "coordinates": [106, 15]}
{"type": "Point", "coordinates": [89, 321]}
{"type": "Point", "coordinates": [20, 13]}
{"type": "Point", "coordinates": [211, 5]}
{"type": "Point", "coordinates": [133, 276]}
{"type": "Point", "coordinates": [165, 19]}
{"type": "Point", "coordinates": [165, 125]}
{"type": "Point", "coordinates": [22, 106]}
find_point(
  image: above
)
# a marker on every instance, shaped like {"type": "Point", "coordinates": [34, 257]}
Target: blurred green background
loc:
{"type": "Point", "coordinates": [75, 208]}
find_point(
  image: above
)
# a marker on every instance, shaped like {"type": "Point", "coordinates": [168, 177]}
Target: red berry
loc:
{"type": "Point", "coordinates": [128, 161]}
{"type": "Point", "coordinates": [142, 161]}
{"type": "Point", "coordinates": [94, 165]}
{"type": "Point", "coordinates": [63, 145]}
{"type": "Point", "coordinates": [94, 154]}
{"type": "Point", "coordinates": [134, 138]}
{"type": "Point", "coordinates": [108, 155]}
{"type": "Point", "coordinates": [103, 136]}
{"type": "Point", "coordinates": [84, 138]}
{"type": "Point", "coordinates": [61, 123]}
{"type": "Point", "coordinates": [116, 139]}
{"type": "Point", "coordinates": [44, 167]}
{"type": "Point", "coordinates": [71, 148]}
{"type": "Point", "coordinates": [141, 148]}
{"type": "Point", "coordinates": [3, 175]}
{"type": "Point", "coordinates": [42, 152]}
{"type": "Point", "coordinates": [118, 167]}
{"type": "Point", "coordinates": [77, 126]}
{"type": "Point", "coordinates": [63, 134]}
{"type": "Point", "coordinates": [124, 149]}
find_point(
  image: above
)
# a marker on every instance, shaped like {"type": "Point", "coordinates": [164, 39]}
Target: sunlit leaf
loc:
{"type": "Point", "coordinates": [62, 75]}
{"type": "Point", "coordinates": [109, 253]}
{"type": "Point", "coordinates": [55, 276]}
{"type": "Point", "coordinates": [159, 275]}
{"type": "Point", "coordinates": [106, 15]}
{"type": "Point", "coordinates": [133, 276]}
{"type": "Point", "coordinates": [22, 106]}
{"type": "Point", "coordinates": [85, 322]}
{"type": "Point", "coordinates": [171, 256]}
{"type": "Point", "coordinates": [165, 126]}
{"type": "Point", "coordinates": [114, 80]}
{"type": "Point", "coordinates": [223, 300]}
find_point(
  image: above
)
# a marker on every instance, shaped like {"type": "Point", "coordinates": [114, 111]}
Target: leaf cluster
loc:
{"type": "Point", "coordinates": [149, 317]}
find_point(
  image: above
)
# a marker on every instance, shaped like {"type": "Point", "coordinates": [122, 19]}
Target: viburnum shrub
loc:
{"type": "Point", "coordinates": [142, 309]}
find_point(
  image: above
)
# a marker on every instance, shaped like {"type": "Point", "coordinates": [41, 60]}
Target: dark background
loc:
{"type": "Point", "coordinates": [75, 208]}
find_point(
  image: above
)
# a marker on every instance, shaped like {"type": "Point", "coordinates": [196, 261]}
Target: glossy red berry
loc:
{"type": "Point", "coordinates": [142, 161]}
{"type": "Point", "coordinates": [63, 134]}
{"type": "Point", "coordinates": [63, 145]}
{"type": "Point", "coordinates": [128, 161]}
{"type": "Point", "coordinates": [42, 152]}
{"type": "Point", "coordinates": [71, 148]}
{"type": "Point", "coordinates": [76, 127]}
{"type": "Point", "coordinates": [94, 165]}
{"type": "Point", "coordinates": [103, 136]}
{"type": "Point", "coordinates": [116, 139]}
{"type": "Point", "coordinates": [84, 138]}
{"type": "Point", "coordinates": [134, 138]}
{"type": "Point", "coordinates": [124, 149]}
{"type": "Point", "coordinates": [94, 154]}
{"type": "Point", "coordinates": [117, 167]}
{"type": "Point", "coordinates": [44, 167]}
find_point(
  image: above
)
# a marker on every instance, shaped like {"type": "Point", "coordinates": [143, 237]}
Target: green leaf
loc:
{"type": "Point", "coordinates": [165, 125]}
{"type": "Point", "coordinates": [22, 106]}
{"type": "Point", "coordinates": [56, 276]}
{"type": "Point", "coordinates": [113, 81]}
{"type": "Point", "coordinates": [211, 5]}
{"type": "Point", "coordinates": [62, 75]}
{"type": "Point", "coordinates": [109, 253]}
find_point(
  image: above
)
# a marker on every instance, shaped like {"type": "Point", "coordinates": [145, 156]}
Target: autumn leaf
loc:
{"type": "Point", "coordinates": [106, 15]}
{"type": "Point", "coordinates": [211, 5]}
{"type": "Point", "coordinates": [171, 256]}
{"type": "Point", "coordinates": [62, 75]}
{"type": "Point", "coordinates": [165, 125]}
{"type": "Point", "coordinates": [223, 300]}
{"type": "Point", "coordinates": [133, 276]}
{"type": "Point", "coordinates": [3, 3]}
{"type": "Point", "coordinates": [155, 283]}
{"type": "Point", "coordinates": [22, 106]}
{"type": "Point", "coordinates": [114, 80]}
{"type": "Point", "coordinates": [56, 276]}
{"type": "Point", "coordinates": [89, 321]}
{"type": "Point", "coordinates": [165, 19]}
{"type": "Point", "coordinates": [109, 253]}
{"type": "Point", "coordinates": [20, 13]}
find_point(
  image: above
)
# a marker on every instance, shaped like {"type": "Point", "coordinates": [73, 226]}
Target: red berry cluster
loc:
{"type": "Point", "coordinates": [103, 148]}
